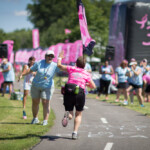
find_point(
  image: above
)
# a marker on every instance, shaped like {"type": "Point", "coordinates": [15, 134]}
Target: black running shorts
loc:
{"type": "Point", "coordinates": [147, 90]}
{"type": "Point", "coordinates": [74, 100]}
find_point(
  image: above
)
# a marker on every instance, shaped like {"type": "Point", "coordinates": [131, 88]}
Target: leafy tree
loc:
{"type": "Point", "coordinates": [2, 36]}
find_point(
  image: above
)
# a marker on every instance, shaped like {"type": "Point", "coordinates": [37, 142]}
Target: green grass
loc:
{"type": "Point", "coordinates": [16, 133]}
{"type": "Point", "coordinates": [136, 107]}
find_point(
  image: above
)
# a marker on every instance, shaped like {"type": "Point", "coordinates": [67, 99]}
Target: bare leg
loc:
{"type": "Point", "coordinates": [46, 108]}
{"type": "Point", "coordinates": [25, 98]}
{"type": "Point", "coordinates": [77, 120]}
{"type": "Point", "coordinates": [70, 115]}
{"type": "Point", "coordinates": [118, 94]}
{"type": "Point", "coordinates": [131, 96]}
{"type": "Point", "coordinates": [131, 93]}
{"type": "Point", "coordinates": [35, 107]}
{"type": "Point", "coordinates": [139, 95]}
{"type": "Point", "coordinates": [106, 96]}
{"type": "Point", "coordinates": [4, 89]}
{"type": "Point", "coordinates": [125, 94]}
{"type": "Point", "coordinates": [10, 88]}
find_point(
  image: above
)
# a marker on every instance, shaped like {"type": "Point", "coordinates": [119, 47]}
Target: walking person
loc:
{"type": "Point", "coordinates": [105, 80]}
{"type": "Point", "coordinates": [9, 76]}
{"type": "Point", "coordinates": [145, 67]}
{"type": "Point", "coordinates": [27, 82]}
{"type": "Point", "coordinates": [74, 95]}
{"type": "Point", "coordinates": [136, 75]}
{"type": "Point", "coordinates": [130, 82]}
{"type": "Point", "coordinates": [121, 81]}
{"type": "Point", "coordinates": [42, 86]}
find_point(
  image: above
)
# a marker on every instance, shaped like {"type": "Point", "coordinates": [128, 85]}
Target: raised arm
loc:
{"type": "Point", "coordinates": [24, 72]}
{"type": "Point", "coordinates": [136, 72]}
{"type": "Point", "coordinates": [91, 84]}
{"type": "Point", "coordinates": [60, 57]}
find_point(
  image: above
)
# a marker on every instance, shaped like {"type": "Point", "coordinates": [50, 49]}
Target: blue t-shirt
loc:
{"type": "Point", "coordinates": [106, 77]}
{"type": "Point", "coordinates": [44, 75]}
{"type": "Point", "coordinates": [121, 72]}
{"type": "Point", "coordinates": [137, 80]}
{"type": "Point", "coordinates": [144, 71]}
{"type": "Point", "coordinates": [9, 75]}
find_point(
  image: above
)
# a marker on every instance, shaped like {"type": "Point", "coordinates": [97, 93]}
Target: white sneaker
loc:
{"type": "Point", "coordinates": [45, 123]}
{"type": "Point", "coordinates": [65, 119]}
{"type": "Point", "coordinates": [125, 102]}
{"type": "Point", "coordinates": [35, 121]}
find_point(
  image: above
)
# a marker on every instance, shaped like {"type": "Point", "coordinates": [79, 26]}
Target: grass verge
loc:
{"type": "Point", "coordinates": [16, 133]}
{"type": "Point", "coordinates": [135, 106]}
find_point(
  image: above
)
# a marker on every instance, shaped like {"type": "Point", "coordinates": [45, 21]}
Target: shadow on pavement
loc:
{"type": "Point", "coordinates": [53, 138]}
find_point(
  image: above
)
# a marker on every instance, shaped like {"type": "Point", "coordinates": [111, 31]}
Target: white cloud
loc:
{"type": "Point", "coordinates": [21, 13]}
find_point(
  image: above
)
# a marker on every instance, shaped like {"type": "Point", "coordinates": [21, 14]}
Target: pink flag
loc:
{"type": "Point", "coordinates": [35, 38]}
{"type": "Point", "coordinates": [67, 31]}
{"type": "Point", "coordinates": [88, 42]}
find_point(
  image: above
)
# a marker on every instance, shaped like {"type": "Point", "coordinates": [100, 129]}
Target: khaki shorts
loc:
{"type": "Point", "coordinates": [42, 93]}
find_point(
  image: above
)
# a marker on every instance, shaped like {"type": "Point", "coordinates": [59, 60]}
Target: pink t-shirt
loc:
{"type": "Point", "coordinates": [147, 78]}
{"type": "Point", "coordinates": [78, 76]}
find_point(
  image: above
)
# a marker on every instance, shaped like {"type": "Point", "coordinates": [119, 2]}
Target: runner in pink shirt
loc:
{"type": "Point", "coordinates": [146, 80]}
{"type": "Point", "coordinates": [74, 95]}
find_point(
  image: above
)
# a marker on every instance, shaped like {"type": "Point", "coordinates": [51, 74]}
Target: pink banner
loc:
{"type": "Point", "coordinates": [71, 51]}
{"type": "Point", "coordinates": [88, 42]}
{"type": "Point", "coordinates": [12, 57]}
{"type": "Point", "coordinates": [35, 38]}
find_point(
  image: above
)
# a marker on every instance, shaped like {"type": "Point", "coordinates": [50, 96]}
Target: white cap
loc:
{"type": "Point", "coordinates": [50, 53]}
{"type": "Point", "coordinates": [133, 63]}
{"type": "Point", "coordinates": [144, 60]}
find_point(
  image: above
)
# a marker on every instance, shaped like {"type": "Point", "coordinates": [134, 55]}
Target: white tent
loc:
{"type": "Point", "coordinates": [93, 59]}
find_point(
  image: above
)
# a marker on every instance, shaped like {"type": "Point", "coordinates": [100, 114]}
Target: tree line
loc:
{"type": "Point", "coordinates": [52, 17]}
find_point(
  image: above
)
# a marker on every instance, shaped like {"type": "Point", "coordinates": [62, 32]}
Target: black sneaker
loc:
{"type": "Point", "coordinates": [65, 119]}
{"type": "Point", "coordinates": [74, 136]}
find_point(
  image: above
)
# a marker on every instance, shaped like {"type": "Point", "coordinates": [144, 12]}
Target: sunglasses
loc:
{"type": "Point", "coordinates": [50, 56]}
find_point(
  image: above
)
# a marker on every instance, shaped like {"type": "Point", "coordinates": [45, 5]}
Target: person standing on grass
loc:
{"type": "Point", "coordinates": [105, 80]}
{"type": "Point", "coordinates": [9, 76]}
{"type": "Point", "coordinates": [146, 71]}
{"type": "Point", "coordinates": [42, 86]}
{"type": "Point", "coordinates": [121, 81]}
{"type": "Point", "coordinates": [130, 82]}
{"type": "Point", "coordinates": [146, 80]}
{"type": "Point", "coordinates": [136, 76]}
{"type": "Point", "coordinates": [27, 82]}
{"type": "Point", "coordinates": [74, 95]}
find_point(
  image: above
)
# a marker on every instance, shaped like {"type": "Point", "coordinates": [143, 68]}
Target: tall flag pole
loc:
{"type": "Point", "coordinates": [88, 42]}
{"type": "Point", "coordinates": [35, 38]}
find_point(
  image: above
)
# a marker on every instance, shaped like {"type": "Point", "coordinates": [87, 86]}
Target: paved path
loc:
{"type": "Point", "coordinates": [104, 127]}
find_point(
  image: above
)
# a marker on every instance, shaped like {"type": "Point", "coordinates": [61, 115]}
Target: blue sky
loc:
{"type": "Point", "coordinates": [13, 15]}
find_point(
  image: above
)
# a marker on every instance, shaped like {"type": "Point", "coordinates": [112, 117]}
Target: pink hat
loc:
{"type": "Point", "coordinates": [133, 59]}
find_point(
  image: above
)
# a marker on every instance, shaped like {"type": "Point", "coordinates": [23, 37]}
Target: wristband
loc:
{"type": "Point", "coordinates": [59, 58]}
